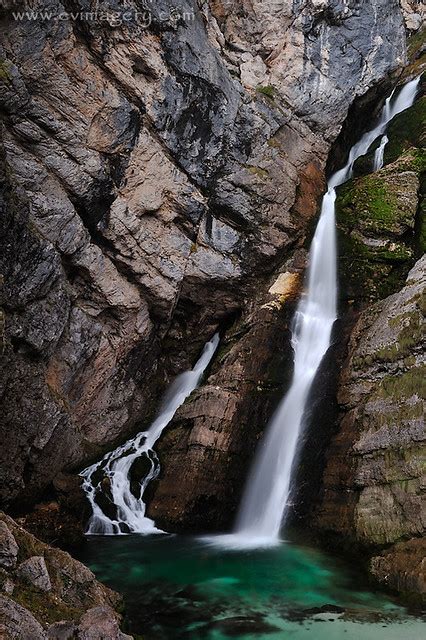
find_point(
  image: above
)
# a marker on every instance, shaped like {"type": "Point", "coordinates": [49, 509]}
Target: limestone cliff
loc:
{"type": "Point", "coordinates": [374, 479]}
{"type": "Point", "coordinates": [158, 168]}
{"type": "Point", "coordinates": [373, 485]}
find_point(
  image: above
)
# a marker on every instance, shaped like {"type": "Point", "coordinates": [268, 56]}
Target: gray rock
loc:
{"type": "Point", "coordinates": [18, 623]}
{"type": "Point", "coordinates": [375, 474]}
{"type": "Point", "coordinates": [62, 631]}
{"type": "Point", "coordinates": [34, 571]}
{"type": "Point", "coordinates": [6, 584]}
{"type": "Point", "coordinates": [8, 547]}
{"type": "Point", "coordinates": [100, 623]}
{"type": "Point", "coordinates": [73, 589]}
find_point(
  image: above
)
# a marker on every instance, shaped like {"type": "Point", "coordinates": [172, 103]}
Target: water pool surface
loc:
{"type": "Point", "coordinates": [180, 588]}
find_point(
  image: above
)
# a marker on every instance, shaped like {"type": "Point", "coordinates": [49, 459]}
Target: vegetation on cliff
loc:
{"type": "Point", "coordinates": [380, 216]}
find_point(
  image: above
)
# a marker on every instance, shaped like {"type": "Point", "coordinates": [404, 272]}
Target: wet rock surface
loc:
{"type": "Point", "coordinates": [49, 595]}
{"type": "Point", "coordinates": [379, 215]}
{"type": "Point", "coordinates": [210, 443]}
{"type": "Point", "coordinates": [373, 488]}
{"type": "Point", "coordinates": [403, 568]}
{"type": "Point", "coordinates": [152, 172]}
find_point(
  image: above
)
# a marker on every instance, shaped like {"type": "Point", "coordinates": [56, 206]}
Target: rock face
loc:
{"type": "Point", "coordinates": [211, 441]}
{"type": "Point", "coordinates": [373, 494]}
{"type": "Point", "coordinates": [50, 595]}
{"type": "Point", "coordinates": [373, 485]}
{"type": "Point", "coordinates": [403, 568]}
{"type": "Point", "coordinates": [156, 170]}
{"type": "Point", "coordinates": [373, 482]}
{"type": "Point", "coordinates": [379, 226]}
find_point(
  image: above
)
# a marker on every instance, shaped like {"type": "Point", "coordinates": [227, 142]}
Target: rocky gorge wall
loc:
{"type": "Point", "coordinates": [155, 174]}
{"type": "Point", "coordinates": [373, 485]}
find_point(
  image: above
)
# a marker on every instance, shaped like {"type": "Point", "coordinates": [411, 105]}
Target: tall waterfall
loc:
{"type": "Point", "coordinates": [116, 465]}
{"type": "Point", "coordinates": [263, 508]}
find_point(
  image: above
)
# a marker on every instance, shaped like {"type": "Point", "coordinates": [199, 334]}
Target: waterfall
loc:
{"type": "Point", "coordinates": [263, 508]}
{"type": "Point", "coordinates": [379, 155]}
{"type": "Point", "coordinates": [116, 466]}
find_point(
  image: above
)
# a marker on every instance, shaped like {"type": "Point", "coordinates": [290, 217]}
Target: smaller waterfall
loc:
{"type": "Point", "coordinates": [392, 108]}
{"type": "Point", "coordinates": [116, 466]}
{"type": "Point", "coordinates": [265, 501]}
{"type": "Point", "coordinates": [379, 155]}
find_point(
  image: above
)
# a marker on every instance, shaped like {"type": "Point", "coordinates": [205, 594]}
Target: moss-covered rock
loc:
{"type": "Point", "coordinates": [68, 592]}
{"type": "Point", "coordinates": [407, 130]}
{"type": "Point", "coordinates": [416, 50]}
{"type": "Point", "coordinates": [380, 216]}
{"type": "Point", "coordinates": [376, 462]}
{"type": "Point", "coordinates": [376, 217]}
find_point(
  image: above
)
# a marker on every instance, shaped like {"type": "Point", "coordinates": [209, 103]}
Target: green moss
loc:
{"type": "Point", "coordinates": [371, 204]}
{"type": "Point", "coordinates": [408, 129]}
{"type": "Point", "coordinates": [28, 546]}
{"type": "Point", "coordinates": [376, 218]}
{"type": "Point", "coordinates": [416, 54]}
{"type": "Point", "coordinates": [273, 142]}
{"type": "Point", "coordinates": [415, 43]}
{"type": "Point", "coordinates": [45, 607]}
{"type": "Point", "coordinates": [257, 171]}
{"type": "Point", "coordinates": [367, 273]}
{"type": "Point", "coordinates": [404, 386]}
{"type": "Point", "coordinates": [5, 70]}
{"type": "Point", "coordinates": [381, 222]}
{"type": "Point", "coordinates": [266, 90]}
{"type": "Point", "coordinates": [409, 336]}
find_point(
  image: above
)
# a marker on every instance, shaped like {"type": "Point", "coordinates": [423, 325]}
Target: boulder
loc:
{"type": "Point", "coordinates": [17, 623]}
{"type": "Point", "coordinates": [8, 548]}
{"type": "Point", "coordinates": [35, 572]}
{"type": "Point", "coordinates": [99, 623]}
{"type": "Point", "coordinates": [51, 595]}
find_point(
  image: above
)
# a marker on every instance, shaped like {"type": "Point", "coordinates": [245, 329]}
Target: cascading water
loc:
{"type": "Point", "coordinates": [379, 155]}
{"type": "Point", "coordinates": [116, 465]}
{"type": "Point", "coordinates": [263, 508]}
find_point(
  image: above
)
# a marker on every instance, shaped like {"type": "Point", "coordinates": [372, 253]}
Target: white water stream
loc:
{"type": "Point", "coordinates": [265, 501]}
{"type": "Point", "coordinates": [116, 465]}
{"type": "Point", "coordinates": [379, 155]}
